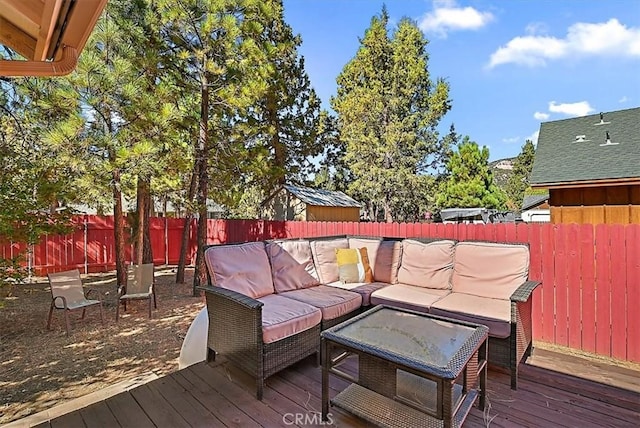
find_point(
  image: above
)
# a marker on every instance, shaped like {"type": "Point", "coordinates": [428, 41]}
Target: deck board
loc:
{"type": "Point", "coordinates": [218, 394]}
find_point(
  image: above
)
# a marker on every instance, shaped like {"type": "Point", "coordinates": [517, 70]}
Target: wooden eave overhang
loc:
{"type": "Point", "coordinates": [590, 183]}
{"type": "Point", "coordinates": [49, 34]}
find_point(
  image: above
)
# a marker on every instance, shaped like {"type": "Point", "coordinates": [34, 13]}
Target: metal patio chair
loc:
{"type": "Point", "coordinates": [140, 286]}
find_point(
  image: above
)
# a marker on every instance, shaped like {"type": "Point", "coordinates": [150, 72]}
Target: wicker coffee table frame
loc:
{"type": "Point", "coordinates": [373, 395]}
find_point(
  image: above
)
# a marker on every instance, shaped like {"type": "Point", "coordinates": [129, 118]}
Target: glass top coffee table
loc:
{"type": "Point", "coordinates": [413, 369]}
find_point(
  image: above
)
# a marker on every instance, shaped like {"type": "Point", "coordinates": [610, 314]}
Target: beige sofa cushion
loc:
{"type": "Point", "coordinates": [494, 313]}
{"type": "Point", "coordinates": [291, 265]}
{"type": "Point", "coordinates": [282, 317]}
{"type": "Point", "coordinates": [333, 302]}
{"type": "Point", "coordinates": [426, 265]}
{"type": "Point", "coordinates": [407, 296]}
{"type": "Point", "coordinates": [362, 288]}
{"type": "Point", "coordinates": [324, 257]}
{"type": "Point", "coordinates": [371, 244]}
{"type": "Point", "coordinates": [388, 259]}
{"type": "Point", "coordinates": [488, 269]}
{"type": "Point", "coordinates": [243, 268]}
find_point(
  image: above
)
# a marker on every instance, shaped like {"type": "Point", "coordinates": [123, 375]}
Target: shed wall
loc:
{"type": "Point", "coordinates": [595, 205]}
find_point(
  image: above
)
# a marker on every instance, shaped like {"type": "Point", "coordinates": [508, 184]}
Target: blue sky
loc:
{"type": "Point", "coordinates": [510, 64]}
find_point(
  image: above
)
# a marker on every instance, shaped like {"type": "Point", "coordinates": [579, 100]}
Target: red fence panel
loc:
{"type": "Point", "coordinates": [590, 274]}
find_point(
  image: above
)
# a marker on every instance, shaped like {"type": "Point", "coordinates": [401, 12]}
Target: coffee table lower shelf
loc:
{"type": "Point", "coordinates": [385, 412]}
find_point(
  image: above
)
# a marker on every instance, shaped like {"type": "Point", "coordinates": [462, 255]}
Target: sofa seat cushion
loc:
{"type": "Point", "coordinates": [324, 257]}
{"type": "Point", "coordinates": [333, 302]}
{"type": "Point", "coordinates": [243, 268]}
{"type": "Point", "coordinates": [494, 313]}
{"type": "Point", "coordinates": [362, 288]}
{"type": "Point", "coordinates": [291, 265]}
{"type": "Point", "coordinates": [407, 296]}
{"type": "Point", "coordinates": [426, 264]}
{"type": "Point", "coordinates": [282, 317]}
{"type": "Point", "coordinates": [488, 269]}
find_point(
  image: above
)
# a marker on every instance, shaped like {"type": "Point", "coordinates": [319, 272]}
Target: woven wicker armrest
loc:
{"type": "Point", "coordinates": [234, 296]}
{"type": "Point", "coordinates": [523, 293]}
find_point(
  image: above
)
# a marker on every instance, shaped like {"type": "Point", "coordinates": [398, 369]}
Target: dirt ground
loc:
{"type": "Point", "coordinates": [40, 369]}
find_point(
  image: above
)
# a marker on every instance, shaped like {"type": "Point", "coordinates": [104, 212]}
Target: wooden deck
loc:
{"type": "Point", "coordinates": [218, 395]}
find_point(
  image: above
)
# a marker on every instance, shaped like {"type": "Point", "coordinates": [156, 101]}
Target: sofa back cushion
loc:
{"type": "Point", "coordinates": [387, 262]}
{"type": "Point", "coordinates": [292, 265]}
{"type": "Point", "coordinates": [243, 268]}
{"type": "Point", "coordinates": [489, 269]}
{"type": "Point", "coordinates": [426, 265]}
{"type": "Point", "coordinates": [324, 257]}
{"type": "Point", "coordinates": [371, 244]}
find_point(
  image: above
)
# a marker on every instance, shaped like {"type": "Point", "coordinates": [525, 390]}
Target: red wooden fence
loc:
{"type": "Point", "coordinates": [590, 274]}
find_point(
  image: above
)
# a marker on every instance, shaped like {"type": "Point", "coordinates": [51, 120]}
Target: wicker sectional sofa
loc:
{"type": "Point", "coordinates": [268, 301]}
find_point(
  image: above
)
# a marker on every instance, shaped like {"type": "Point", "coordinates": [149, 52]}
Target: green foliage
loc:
{"type": "Point", "coordinates": [519, 179]}
{"type": "Point", "coordinates": [469, 181]}
{"type": "Point", "coordinates": [388, 109]}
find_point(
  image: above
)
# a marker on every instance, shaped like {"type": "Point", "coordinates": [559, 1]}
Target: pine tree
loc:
{"type": "Point", "coordinates": [216, 51]}
{"type": "Point", "coordinates": [519, 180]}
{"type": "Point", "coordinates": [388, 109]}
{"type": "Point", "coordinates": [469, 182]}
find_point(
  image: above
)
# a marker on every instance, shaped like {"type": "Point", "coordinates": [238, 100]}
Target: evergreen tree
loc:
{"type": "Point", "coordinates": [519, 180]}
{"type": "Point", "coordinates": [216, 48]}
{"type": "Point", "coordinates": [388, 109]}
{"type": "Point", "coordinates": [469, 182]}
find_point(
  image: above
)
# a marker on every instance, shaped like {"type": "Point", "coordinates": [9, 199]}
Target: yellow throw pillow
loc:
{"type": "Point", "coordinates": [353, 265]}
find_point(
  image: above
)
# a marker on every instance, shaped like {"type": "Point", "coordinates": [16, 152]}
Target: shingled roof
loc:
{"type": "Point", "coordinates": [321, 197]}
{"type": "Point", "coordinates": [597, 147]}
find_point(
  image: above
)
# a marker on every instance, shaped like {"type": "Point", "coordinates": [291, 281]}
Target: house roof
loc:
{"type": "Point", "coordinates": [49, 34]}
{"type": "Point", "coordinates": [532, 201]}
{"type": "Point", "coordinates": [321, 197]}
{"type": "Point", "coordinates": [574, 151]}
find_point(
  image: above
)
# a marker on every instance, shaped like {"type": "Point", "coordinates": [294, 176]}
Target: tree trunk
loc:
{"type": "Point", "coordinates": [279, 149]}
{"type": "Point", "coordinates": [200, 274]}
{"type": "Point", "coordinates": [147, 250]}
{"type": "Point", "coordinates": [140, 223]}
{"type": "Point", "coordinates": [186, 230]}
{"type": "Point", "coordinates": [118, 229]}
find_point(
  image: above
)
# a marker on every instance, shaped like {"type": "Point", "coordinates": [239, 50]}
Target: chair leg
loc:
{"type": "Point", "coordinates": [101, 314]}
{"type": "Point", "coordinates": [50, 316]}
{"type": "Point", "coordinates": [155, 305]}
{"type": "Point", "coordinates": [149, 307]}
{"type": "Point", "coordinates": [117, 309]}
{"type": "Point", "coordinates": [260, 388]}
{"type": "Point", "coordinates": [84, 312]}
{"type": "Point", "coordinates": [66, 321]}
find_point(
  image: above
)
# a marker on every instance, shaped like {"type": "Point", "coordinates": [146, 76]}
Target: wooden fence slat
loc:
{"type": "Point", "coordinates": [561, 286]}
{"type": "Point", "coordinates": [535, 273]}
{"type": "Point", "coordinates": [548, 284]}
{"type": "Point", "coordinates": [603, 290]}
{"type": "Point", "coordinates": [618, 292]}
{"type": "Point", "coordinates": [587, 266]}
{"type": "Point", "coordinates": [574, 287]}
{"type": "Point", "coordinates": [633, 292]}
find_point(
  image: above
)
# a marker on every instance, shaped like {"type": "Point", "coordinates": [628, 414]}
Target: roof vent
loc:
{"type": "Point", "coordinates": [580, 139]}
{"type": "Point", "coordinates": [608, 141]}
{"type": "Point", "coordinates": [602, 122]}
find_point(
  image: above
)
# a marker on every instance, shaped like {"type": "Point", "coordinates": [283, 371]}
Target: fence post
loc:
{"type": "Point", "coordinates": [86, 244]}
{"type": "Point", "coordinates": [166, 239]}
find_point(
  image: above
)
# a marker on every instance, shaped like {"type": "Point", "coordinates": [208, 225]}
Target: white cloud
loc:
{"type": "Point", "coordinates": [540, 116]}
{"type": "Point", "coordinates": [623, 100]}
{"type": "Point", "coordinates": [581, 108]}
{"type": "Point", "coordinates": [448, 16]}
{"type": "Point", "coordinates": [533, 138]}
{"type": "Point", "coordinates": [511, 140]}
{"type": "Point", "coordinates": [609, 38]}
